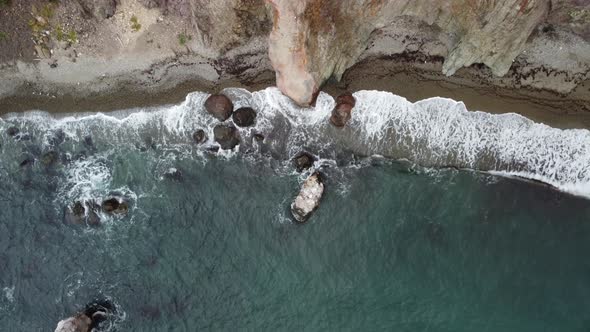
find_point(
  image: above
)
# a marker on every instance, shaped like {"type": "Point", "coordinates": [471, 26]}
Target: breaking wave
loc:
{"type": "Point", "coordinates": [435, 132]}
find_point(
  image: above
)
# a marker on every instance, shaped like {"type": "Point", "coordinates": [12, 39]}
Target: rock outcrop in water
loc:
{"type": "Point", "coordinates": [308, 198]}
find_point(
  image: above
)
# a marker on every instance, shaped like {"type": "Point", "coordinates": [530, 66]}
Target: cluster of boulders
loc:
{"type": "Point", "coordinates": [86, 321]}
{"type": "Point", "coordinates": [226, 134]}
{"type": "Point", "coordinates": [88, 212]}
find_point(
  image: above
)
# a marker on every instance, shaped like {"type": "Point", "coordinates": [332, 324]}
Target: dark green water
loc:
{"type": "Point", "coordinates": [393, 246]}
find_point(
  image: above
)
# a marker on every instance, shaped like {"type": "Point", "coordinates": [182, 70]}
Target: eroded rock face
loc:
{"type": "Point", "coordinates": [309, 198]}
{"type": "Point", "coordinates": [312, 40]}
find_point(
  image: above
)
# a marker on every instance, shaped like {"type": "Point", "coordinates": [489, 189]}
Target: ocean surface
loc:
{"type": "Point", "coordinates": [434, 219]}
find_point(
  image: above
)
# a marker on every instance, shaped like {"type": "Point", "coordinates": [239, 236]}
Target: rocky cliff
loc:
{"type": "Point", "coordinates": [52, 46]}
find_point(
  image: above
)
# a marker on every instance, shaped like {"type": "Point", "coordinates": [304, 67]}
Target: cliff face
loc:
{"type": "Point", "coordinates": [315, 39]}
{"type": "Point", "coordinates": [535, 43]}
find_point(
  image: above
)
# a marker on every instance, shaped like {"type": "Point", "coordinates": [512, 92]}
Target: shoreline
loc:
{"type": "Point", "coordinates": [407, 80]}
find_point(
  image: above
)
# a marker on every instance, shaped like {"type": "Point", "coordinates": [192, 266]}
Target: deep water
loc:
{"type": "Point", "coordinates": [393, 246]}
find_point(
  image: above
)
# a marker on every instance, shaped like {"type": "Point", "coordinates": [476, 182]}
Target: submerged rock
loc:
{"type": "Point", "coordinates": [220, 106]}
{"type": "Point", "coordinates": [227, 136]}
{"type": "Point", "coordinates": [199, 136]}
{"type": "Point", "coordinates": [82, 214]}
{"type": "Point", "coordinates": [49, 158]}
{"type": "Point", "coordinates": [244, 117]}
{"type": "Point", "coordinates": [341, 113]}
{"type": "Point", "coordinates": [173, 174]}
{"type": "Point", "coordinates": [303, 160]}
{"type": "Point", "coordinates": [12, 131]}
{"type": "Point", "coordinates": [309, 198]}
{"type": "Point", "coordinates": [115, 206]}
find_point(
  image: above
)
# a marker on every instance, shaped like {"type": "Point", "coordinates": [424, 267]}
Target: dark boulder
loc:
{"type": "Point", "coordinates": [227, 136]}
{"type": "Point", "coordinates": [173, 174]}
{"type": "Point", "coordinates": [12, 131]}
{"type": "Point", "coordinates": [244, 117]}
{"type": "Point", "coordinates": [199, 136]}
{"type": "Point", "coordinates": [115, 206]}
{"type": "Point", "coordinates": [303, 160]}
{"type": "Point", "coordinates": [220, 106]}
{"type": "Point", "coordinates": [76, 214]}
{"type": "Point", "coordinates": [341, 113]}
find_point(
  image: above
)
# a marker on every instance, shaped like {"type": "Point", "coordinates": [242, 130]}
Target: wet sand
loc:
{"type": "Point", "coordinates": [541, 106]}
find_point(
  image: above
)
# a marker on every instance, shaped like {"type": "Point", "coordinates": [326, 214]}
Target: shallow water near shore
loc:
{"type": "Point", "coordinates": [394, 245]}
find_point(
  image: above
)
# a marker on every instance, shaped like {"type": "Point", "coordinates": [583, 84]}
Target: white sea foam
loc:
{"type": "Point", "coordinates": [435, 132]}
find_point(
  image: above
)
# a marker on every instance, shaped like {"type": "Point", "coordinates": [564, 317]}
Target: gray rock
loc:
{"type": "Point", "coordinates": [199, 136]}
{"type": "Point", "coordinates": [309, 198]}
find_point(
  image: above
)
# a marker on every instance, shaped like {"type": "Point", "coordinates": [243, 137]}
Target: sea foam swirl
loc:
{"type": "Point", "coordinates": [435, 132]}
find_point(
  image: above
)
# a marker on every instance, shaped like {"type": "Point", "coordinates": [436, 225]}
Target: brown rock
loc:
{"type": "Point", "coordinates": [303, 161]}
{"type": "Point", "coordinates": [220, 106]}
{"type": "Point", "coordinates": [309, 198]}
{"type": "Point", "coordinates": [346, 98]}
{"type": "Point", "coordinates": [341, 114]}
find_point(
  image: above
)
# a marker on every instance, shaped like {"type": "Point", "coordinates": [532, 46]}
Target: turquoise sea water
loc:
{"type": "Point", "coordinates": [394, 245]}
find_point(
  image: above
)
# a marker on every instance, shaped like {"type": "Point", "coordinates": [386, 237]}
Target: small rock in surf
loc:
{"type": "Point", "coordinates": [220, 106]}
{"type": "Point", "coordinates": [174, 174]}
{"type": "Point", "coordinates": [309, 198]}
{"type": "Point", "coordinates": [115, 206]}
{"type": "Point", "coordinates": [303, 161]}
{"type": "Point", "coordinates": [227, 136]}
{"type": "Point", "coordinates": [244, 117]}
{"type": "Point", "coordinates": [199, 136]}
{"type": "Point", "coordinates": [49, 158]}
